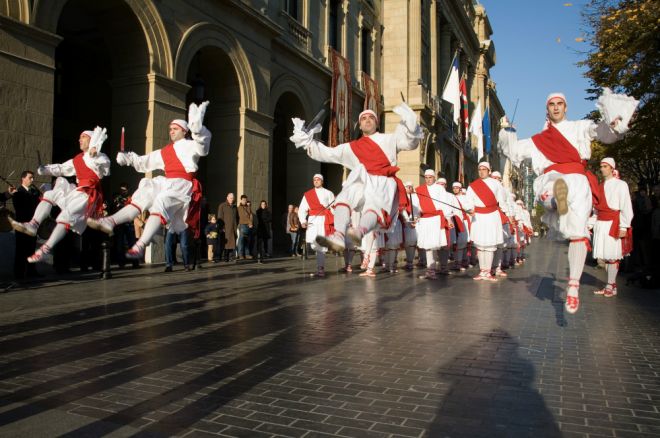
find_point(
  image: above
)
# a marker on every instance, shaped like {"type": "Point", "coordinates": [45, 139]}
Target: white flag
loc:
{"type": "Point", "coordinates": [476, 129]}
{"type": "Point", "coordinates": [451, 93]}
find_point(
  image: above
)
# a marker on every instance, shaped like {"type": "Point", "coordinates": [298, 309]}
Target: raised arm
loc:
{"type": "Point", "coordinates": [340, 154]}
{"type": "Point", "coordinates": [201, 136]}
{"type": "Point", "coordinates": [515, 150]}
{"type": "Point", "coordinates": [408, 133]}
{"type": "Point", "coordinates": [64, 169]}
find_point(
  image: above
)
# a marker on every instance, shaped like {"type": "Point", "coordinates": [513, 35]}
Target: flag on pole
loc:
{"type": "Point", "coordinates": [476, 129]}
{"type": "Point", "coordinates": [464, 109]}
{"type": "Point", "coordinates": [486, 128]}
{"type": "Point", "coordinates": [451, 92]}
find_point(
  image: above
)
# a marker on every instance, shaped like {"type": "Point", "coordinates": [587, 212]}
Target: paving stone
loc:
{"type": "Point", "coordinates": [253, 351]}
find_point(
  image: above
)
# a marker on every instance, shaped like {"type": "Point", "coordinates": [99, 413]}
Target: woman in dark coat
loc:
{"type": "Point", "coordinates": [264, 223]}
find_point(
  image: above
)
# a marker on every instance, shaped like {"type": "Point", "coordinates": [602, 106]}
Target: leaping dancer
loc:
{"type": "Point", "coordinates": [564, 187]}
{"type": "Point", "coordinates": [168, 197]}
{"type": "Point", "coordinates": [372, 186]}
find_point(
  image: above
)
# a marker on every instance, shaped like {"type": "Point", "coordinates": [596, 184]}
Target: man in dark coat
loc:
{"type": "Point", "coordinates": [25, 199]}
{"type": "Point", "coordinates": [227, 223]}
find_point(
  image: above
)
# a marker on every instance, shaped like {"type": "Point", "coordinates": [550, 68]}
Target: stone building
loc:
{"type": "Point", "coordinates": [420, 39]}
{"type": "Point", "coordinates": [68, 65]}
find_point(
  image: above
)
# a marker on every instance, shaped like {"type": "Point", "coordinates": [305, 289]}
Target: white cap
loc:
{"type": "Point", "coordinates": [408, 184]}
{"type": "Point", "coordinates": [496, 174]}
{"type": "Point", "coordinates": [519, 201]}
{"type": "Point", "coordinates": [180, 123]}
{"type": "Point", "coordinates": [457, 184]}
{"type": "Point", "coordinates": [429, 172]}
{"type": "Point", "coordinates": [87, 133]}
{"type": "Point", "coordinates": [317, 175]}
{"type": "Point", "coordinates": [610, 161]}
{"type": "Point", "coordinates": [485, 164]}
{"type": "Point", "coordinates": [553, 95]}
{"type": "Point", "coordinates": [368, 111]}
{"type": "Point", "coordinates": [442, 181]}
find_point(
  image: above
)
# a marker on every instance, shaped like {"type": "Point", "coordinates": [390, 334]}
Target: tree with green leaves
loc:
{"type": "Point", "coordinates": [625, 56]}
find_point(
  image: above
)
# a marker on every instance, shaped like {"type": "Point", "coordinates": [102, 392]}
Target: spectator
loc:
{"type": "Point", "coordinates": [211, 232]}
{"type": "Point", "coordinates": [227, 223]}
{"type": "Point", "coordinates": [300, 245]}
{"type": "Point", "coordinates": [25, 198]}
{"type": "Point", "coordinates": [264, 223]}
{"type": "Point", "coordinates": [245, 225]}
{"type": "Point", "coordinates": [171, 239]}
{"type": "Point", "coordinates": [291, 228]}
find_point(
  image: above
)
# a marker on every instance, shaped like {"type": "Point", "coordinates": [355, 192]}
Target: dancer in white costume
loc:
{"type": "Point", "coordinates": [168, 197]}
{"type": "Point", "coordinates": [507, 231]}
{"type": "Point", "coordinates": [462, 233]}
{"type": "Point", "coordinates": [372, 187]}
{"type": "Point", "coordinates": [434, 222]}
{"type": "Point", "coordinates": [612, 232]}
{"type": "Point", "coordinates": [484, 196]}
{"type": "Point", "coordinates": [76, 202]}
{"type": "Point", "coordinates": [316, 217]}
{"type": "Point", "coordinates": [409, 232]}
{"type": "Point", "coordinates": [559, 155]}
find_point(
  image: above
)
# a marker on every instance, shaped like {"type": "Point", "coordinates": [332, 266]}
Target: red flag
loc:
{"type": "Point", "coordinates": [464, 108]}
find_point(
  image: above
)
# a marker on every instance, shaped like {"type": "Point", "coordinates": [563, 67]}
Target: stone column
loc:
{"type": "Point", "coordinates": [254, 158]}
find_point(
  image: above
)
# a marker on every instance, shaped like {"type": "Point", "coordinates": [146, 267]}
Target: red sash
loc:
{"type": "Point", "coordinates": [376, 162]}
{"type": "Point", "coordinates": [90, 183]}
{"type": "Point", "coordinates": [466, 217]}
{"type": "Point", "coordinates": [318, 209]}
{"type": "Point", "coordinates": [605, 213]}
{"type": "Point", "coordinates": [554, 146]}
{"type": "Point", "coordinates": [487, 197]}
{"type": "Point", "coordinates": [173, 166]}
{"type": "Point", "coordinates": [428, 208]}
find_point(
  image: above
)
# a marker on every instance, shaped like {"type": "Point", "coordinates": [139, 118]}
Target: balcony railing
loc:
{"type": "Point", "coordinates": [297, 33]}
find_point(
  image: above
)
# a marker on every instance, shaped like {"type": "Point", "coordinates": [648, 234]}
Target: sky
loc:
{"type": "Point", "coordinates": [531, 62]}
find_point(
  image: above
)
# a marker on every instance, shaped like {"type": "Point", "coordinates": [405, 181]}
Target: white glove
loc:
{"type": "Point", "coordinates": [408, 116]}
{"type": "Point", "coordinates": [43, 170]}
{"type": "Point", "coordinates": [300, 137]}
{"type": "Point", "coordinates": [98, 137]}
{"type": "Point", "coordinates": [196, 117]}
{"type": "Point", "coordinates": [123, 159]}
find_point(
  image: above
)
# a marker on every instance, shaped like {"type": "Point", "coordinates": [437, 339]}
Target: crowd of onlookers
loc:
{"type": "Point", "coordinates": [644, 262]}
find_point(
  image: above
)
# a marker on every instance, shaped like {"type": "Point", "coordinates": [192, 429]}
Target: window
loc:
{"type": "Point", "coordinates": [291, 8]}
{"type": "Point", "coordinates": [366, 50]}
{"type": "Point", "coordinates": [334, 31]}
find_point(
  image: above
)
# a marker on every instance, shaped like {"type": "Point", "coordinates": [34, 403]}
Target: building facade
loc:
{"type": "Point", "coordinates": [421, 39]}
{"type": "Point", "coordinates": [69, 65]}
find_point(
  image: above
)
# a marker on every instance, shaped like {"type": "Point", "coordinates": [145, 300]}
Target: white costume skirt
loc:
{"type": "Point", "coordinates": [429, 233]}
{"type": "Point", "coordinates": [315, 227]}
{"type": "Point", "coordinates": [169, 197]}
{"type": "Point", "coordinates": [487, 230]}
{"type": "Point", "coordinates": [574, 223]}
{"type": "Point", "coordinates": [72, 202]}
{"type": "Point", "coordinates": [605, 246]}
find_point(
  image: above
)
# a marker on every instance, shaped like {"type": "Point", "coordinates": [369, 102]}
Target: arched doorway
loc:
{"type": "Point", "coordinates": [292, 169]}
{"type": "Point", "coordinates": [102, 54]}
{"type": "Point", "coordinates": [212, 76]}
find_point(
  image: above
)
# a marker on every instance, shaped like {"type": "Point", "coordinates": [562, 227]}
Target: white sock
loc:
{"type": "Point", "coordinates": [368, 222]}
{"type": "Point", "coordinates": [42, 211]}
{"type": "Point", "coordinates": [320, 260]}
{"type": "Point", "coordinates": [342, 218]}
{"type": "Point", "coordinates": [126, 214]}
{"type": "Point", "coordinates": [58, 234]}
{"type": "Point", "coordinates": [150, 228]}
{"type": "Point", "coordinates": [612, 269]}
{"type": "Point", "coordinates": [577, 254]}
{"type": "Point", "coordinates": [373, 256]}
{"type": "Point", "coordinates": [488, 260]}
{"type": "Point", "coordinates": [430, 259]}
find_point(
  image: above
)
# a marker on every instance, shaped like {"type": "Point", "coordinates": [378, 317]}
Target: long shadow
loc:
{"type": "Point", "coordinates": [149, 334]}
{"type": "Point", "coordinates": [545, 288]}
{"type": "Point", "coordinates": [491, 394]}
{"type": "Point", "coordinates": [128, 317]}
{"type": "Point", "coordinates": [121, 371]}
{"type": "Point", "coordinates": [284, 351]}
{"type": "Point", "coordinates": [93, 312]}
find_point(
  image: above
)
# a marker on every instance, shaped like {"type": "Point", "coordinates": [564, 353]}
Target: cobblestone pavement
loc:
{"type": "Point", "coordinates": [253, 350]}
